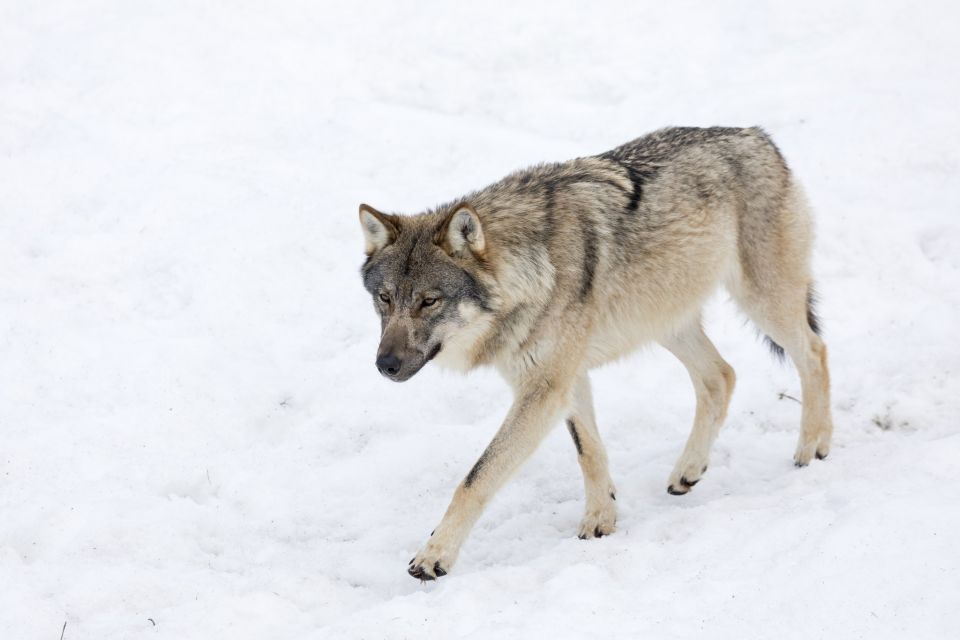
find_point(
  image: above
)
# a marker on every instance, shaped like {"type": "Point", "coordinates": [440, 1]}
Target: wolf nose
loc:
{"type": "Point", "coordinates": [388, 365]}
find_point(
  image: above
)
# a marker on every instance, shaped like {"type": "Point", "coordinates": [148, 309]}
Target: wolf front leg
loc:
{"type": "Point", "coordinates": [538, 406]}
{"type": "Point", "coordinates": [600, 516]}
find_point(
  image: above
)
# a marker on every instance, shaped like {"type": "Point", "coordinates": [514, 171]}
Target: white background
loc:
{"type": "Point", "coordinates": [194, 442]}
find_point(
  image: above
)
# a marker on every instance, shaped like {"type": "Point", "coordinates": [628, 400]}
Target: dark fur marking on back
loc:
{"type": "Point", "coordinates": [638, 172]}
{"type": "Point", "coordinates": [637, 192]}
{"type": "Point", "coordinates": [576, 437]}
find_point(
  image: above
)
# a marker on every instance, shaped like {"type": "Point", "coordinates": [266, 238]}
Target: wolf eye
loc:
{"type": "Point", "coordinates": [428, 302]}
{"type": "Point", "coordinates": [385, 297]}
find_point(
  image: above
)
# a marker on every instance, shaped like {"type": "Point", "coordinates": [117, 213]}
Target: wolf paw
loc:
{"type": "Point", "coordinates": [423, 574]}
{"type": "Point", "coordinates": [431, 563]}
{"type": "Point", "coordinates": [807, 450]}
{"type": "Point", "coordinates": [686, 474]}
{"type": "Point", "coordinates": [599, 520]}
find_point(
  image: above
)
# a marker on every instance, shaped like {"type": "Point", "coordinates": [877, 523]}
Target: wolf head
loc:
{"type": "Point", "coordinates": [425, 275]}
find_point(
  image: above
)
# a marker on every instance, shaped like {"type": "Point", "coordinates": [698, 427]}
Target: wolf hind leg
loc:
{"type": "Point", "coordinates": [713, 381]}
{"type": "Point", "coordinates": [774, 289]}
{"type": "Point", "coordinates": [787, 317]}
{"type": "Point", "coordinates": [600, 516]}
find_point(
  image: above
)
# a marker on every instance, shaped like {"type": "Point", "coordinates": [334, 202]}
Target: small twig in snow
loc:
{"type": "Point", "coordinates": [64, 630]}
{"type": "Point", "coordinates": [784, 394]}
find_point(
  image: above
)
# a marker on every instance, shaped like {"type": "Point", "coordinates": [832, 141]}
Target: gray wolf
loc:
{"type": "Point", "coordinates": [560, 268]}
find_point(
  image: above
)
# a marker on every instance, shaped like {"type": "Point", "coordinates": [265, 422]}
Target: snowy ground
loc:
{"type": "Point", "coordinates": [194, 442]}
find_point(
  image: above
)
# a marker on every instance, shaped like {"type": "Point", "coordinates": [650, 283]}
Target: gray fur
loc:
{"type": "Point", "coordinates": [559, 268]}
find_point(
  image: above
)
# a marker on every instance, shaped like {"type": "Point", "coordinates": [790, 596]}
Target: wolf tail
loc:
{"type": "Point", "coordinates": [813, 320]}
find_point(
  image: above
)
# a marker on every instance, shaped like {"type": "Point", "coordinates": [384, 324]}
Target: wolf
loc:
{"type": "Point", "coordinates": [561, 268]}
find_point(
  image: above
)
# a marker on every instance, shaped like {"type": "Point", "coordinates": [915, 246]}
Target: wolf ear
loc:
{"type": "Point", "coordinates": [464, 231]}
{"type": "Point", "coordinates": [379, 229]}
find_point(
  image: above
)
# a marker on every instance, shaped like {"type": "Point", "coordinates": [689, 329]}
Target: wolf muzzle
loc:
{"type": "Point", "coordinates": [403, 366]}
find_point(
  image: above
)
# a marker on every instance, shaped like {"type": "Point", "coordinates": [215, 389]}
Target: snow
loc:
{"type": "Point", "coordinates": [195, 442]}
